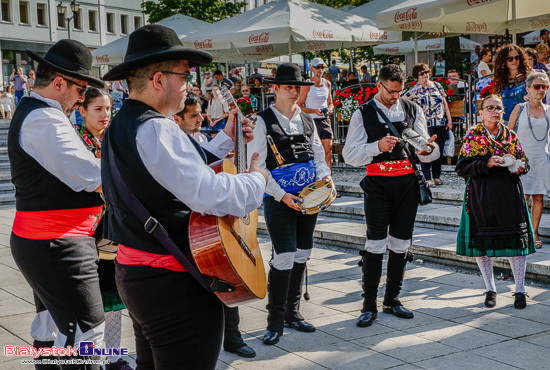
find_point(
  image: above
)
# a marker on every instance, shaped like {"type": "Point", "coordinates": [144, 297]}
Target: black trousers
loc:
{"type": "Point", "coordinates": [177, 324]}
{"type": "Point", "coordinates": [63, 276]}
{"type": "Point", "coordinates": [435, 166]}
{"type": "Point", "coordinates": [390, 206]}
{"type": "Point", "coordinates": [232, 339]}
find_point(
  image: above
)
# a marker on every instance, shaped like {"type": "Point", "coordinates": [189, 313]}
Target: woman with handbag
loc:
{"type": "Point", "coordinates": [495, 221]}
{"type": "Point", "coordinates": [431, 98]}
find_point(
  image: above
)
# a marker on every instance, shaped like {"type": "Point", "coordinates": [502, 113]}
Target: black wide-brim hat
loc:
{"type": "Point", "coordinates": [71, 58]}
{"type": "Point", "coordinates": [154, 43]}
{"type": "Point", "coordinates": [288, 74]}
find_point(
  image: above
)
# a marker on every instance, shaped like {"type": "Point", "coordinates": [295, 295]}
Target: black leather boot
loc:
{"type": "Point", "coordinates": [40, 344]}
{"type": "Point", "coordinates": [278, 281]}
{"type": "Point", "coordinates": [397, 263]}
{"type": "Point", "coordinates": [372, 270]}
{"type": "Point", "coordinates": [293, 318]}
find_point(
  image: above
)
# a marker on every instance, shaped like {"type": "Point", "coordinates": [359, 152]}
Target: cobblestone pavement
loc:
{"type": "Point", "coordinates": [452, 329]}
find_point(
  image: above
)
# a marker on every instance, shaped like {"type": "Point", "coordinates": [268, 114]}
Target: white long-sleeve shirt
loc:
{"type": "Point", "coordinates": [293, 126]}
{"type": "Point", "coordinates": [171, 158]}
{"type": "Point", "coordinates": [48, 136]}
{"type": "Point", "coordinates": [357, 152]}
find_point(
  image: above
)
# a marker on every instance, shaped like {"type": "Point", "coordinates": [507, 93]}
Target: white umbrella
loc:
{"type": "Point", "coordinates": [466, 16]}
{"type": "Point", "coordinates": [286, 26]}
{"type": "Point", "coordinates": [113, 53]}
{"type": "Point", "coordinates": [407, 47]}
{"type": "Point", "coordinates": [532, 38]}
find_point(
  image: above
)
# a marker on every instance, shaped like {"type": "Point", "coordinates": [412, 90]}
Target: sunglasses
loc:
{"type": "Point", "coordinates": [320, 67]}
{"type": "Point", "coordinates": [492, 108]}
{"type": "Point", "coordinates": [392, 91]}
{"type": "Point", "coordinates": [81, 89]}
{"type": "Point", "coordinates": [423, 73]}
{"type": "Point", "coordinates": [511, 59]}
{"type": "Point", "coordinates": [538, 87]}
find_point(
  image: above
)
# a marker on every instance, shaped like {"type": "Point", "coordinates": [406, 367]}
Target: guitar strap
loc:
{"type": "Point", "coordinates": [153, 227]}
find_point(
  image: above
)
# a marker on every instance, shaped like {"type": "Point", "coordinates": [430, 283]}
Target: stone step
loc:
{"type": "Point", "coordinates": [428, 244]}
{"type": "Point", "coordinates": [7, 199]}
{"type": "Point", "coordinates": [433, 216]}
{"type": "Point", "coordinates": [5, 176]}
{"type": "Point", "coordinates": [441, 194]}
{"type": "Point", "coordinates": [7, 188]}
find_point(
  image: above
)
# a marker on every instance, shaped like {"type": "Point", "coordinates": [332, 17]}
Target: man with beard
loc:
{"type": "Point", "coordinates": [391, 188]}
{"type": "Point", "coordinates": [58, 202]}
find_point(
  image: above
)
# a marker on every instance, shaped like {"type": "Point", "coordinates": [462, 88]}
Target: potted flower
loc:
{"type": "Point", "coordinates": [245, 105]}
{"type": "Point", "coordinates": [347, 102]}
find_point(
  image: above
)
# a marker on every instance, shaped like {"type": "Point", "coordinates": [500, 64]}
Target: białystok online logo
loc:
{"type": "Point", "coordinates": [84, 349]}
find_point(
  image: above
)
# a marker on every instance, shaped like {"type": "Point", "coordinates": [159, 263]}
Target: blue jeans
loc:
{"type": "Point", "coordinates": [218, 126]}
{"type": "Point", "coordinates": [17, 96]}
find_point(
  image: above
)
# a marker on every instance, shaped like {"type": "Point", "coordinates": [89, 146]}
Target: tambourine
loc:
{"type": "Point", "coordinates": [107, 249]}
{"type": "Point", "coordinates": [317, 197]}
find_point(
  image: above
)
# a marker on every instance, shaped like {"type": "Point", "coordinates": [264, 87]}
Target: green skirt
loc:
{"type": "Point", "coordinates": [465, 246]}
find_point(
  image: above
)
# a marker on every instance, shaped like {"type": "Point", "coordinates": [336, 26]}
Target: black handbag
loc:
{"type": "Point", "coordinates": [425, 192]}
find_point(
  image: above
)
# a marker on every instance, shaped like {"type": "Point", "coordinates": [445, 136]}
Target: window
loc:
{"type": "Point", "coordinates": [110, 23]}
{"type": "Point", "coordinates": [77, 20]}
{"type": "Point", "coordinates": [6, 11]}
{"type": "Point", "coordinates": [41, 14]}
{"type": "Point", "coordinates": [123, 24]}
{"type": "Point", "coordinates": [92, 20]}
{"type": "Point", "coordinates": [24, 12]}
{"type": "Point", "coordinates": [137, 22]}
{"type": "Point", "coordinates": [61, 21]}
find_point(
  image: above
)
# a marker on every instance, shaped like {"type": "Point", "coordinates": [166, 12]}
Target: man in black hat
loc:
{"type": "Point", "coordinates": [291, 232]}
{"type": "Point", "coordinates": [177, 323]}
{"type": "Point", "coordinates": [58, 202]}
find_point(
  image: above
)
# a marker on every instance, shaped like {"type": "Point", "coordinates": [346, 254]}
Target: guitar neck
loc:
{"type": "Point", "coordinates": [240, 146]}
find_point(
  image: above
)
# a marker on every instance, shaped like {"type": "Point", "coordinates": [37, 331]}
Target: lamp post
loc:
{"type": "Point", "coordinates": [74, 9]}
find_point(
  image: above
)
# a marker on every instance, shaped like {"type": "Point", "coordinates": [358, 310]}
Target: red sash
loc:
{"type": "Point", "coordinates": [390, 168]}
{"type": "Point", "coordinates": [131, 256]}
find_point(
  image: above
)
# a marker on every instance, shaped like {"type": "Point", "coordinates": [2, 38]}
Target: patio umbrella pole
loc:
{"type": "Point", "coordinates": [514, 35]}
{"type": "Point", "coordinates": [290, 50]}
{"type": "Point", "coordinates": [415, 49]}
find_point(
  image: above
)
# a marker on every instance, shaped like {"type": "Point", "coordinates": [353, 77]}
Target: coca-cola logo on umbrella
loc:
{"type": "Point", "coordinates": [537, 23]}
{"type": "Point", "coordinates": [102, 58]}
{"type": "Point", "coordinates": [392, 50]}
{"type": "Point", "coordinates": [262, 38]}
{"type": "Point", "coordinates": [407, 15]}
{"type": "Point", "coordinates": [414, 25]}
{"type": "Point", "coordinates": [380, 35]}
{"type": "Point", "coordinates": [477, 2]}
{"type": "Point", "coordinates": [476, 27]}
{"type": "Point", "coordinates": [433, 46]}
{"type": "Point", "coordinates": [264, 48]}
{"type": "Point", "coordinates": [204, 44]}
{"type": "Point", "coordinates": [323, 34]}
{"type": "Point", "coordinates": [316, 45]}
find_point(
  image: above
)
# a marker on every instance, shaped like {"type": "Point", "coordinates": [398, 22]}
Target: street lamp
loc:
{"type": "Point", "coordinates": [61, 11]}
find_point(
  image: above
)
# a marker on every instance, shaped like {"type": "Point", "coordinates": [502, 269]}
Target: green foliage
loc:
{"type": "Point", "coordinates": [205, 10]}
{"type": "Point", "coordinates": [340, 3]}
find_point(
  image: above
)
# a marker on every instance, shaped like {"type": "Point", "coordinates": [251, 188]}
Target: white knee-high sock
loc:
{"type": "Point", "coordinates": [486, 267]}
{"type": "Point", "coordinates": [518, 265]}
{"type": "Point", "coordinates": [113, 332]}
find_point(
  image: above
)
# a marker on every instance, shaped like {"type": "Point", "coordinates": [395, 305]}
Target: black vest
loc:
{"type": "Point", "coordinates": [377, 129]}
{"type": "Point", "coordinates": [293, 148]}
{"type": "Point", "coordinates": [36, 189]}
{"type": "Point", "coordinates": [120, 224]}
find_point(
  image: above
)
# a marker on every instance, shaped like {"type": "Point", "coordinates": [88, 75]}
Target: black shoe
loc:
{"type": "Point", "coordinates": [398, 311]}
{"type": "Point", "coordinates": [520, 301]}
{"type": "Point", "coordinates": [271, 337]}
{"type": "Point", "coordinates": [244, 351]}
{"type": "Point", "coordinates": [366, 319]}
{"type": "Point", "coordinates": [301, 325]}
{"type": "Point", "coordinates": [490, 299]}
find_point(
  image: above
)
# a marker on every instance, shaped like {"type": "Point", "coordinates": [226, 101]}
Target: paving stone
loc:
{"type": "Point", "coordinates": [503, 324]}
{"type": "Point", "coordinates": [515, 353]}
{"type": "Point", "coordinates": [344, 327]}
{"type": "Point", "coordinates": [462, 361]}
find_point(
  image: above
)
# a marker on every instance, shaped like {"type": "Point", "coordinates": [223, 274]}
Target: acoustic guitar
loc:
{"type": "Point", "coordinates": [227, 247]}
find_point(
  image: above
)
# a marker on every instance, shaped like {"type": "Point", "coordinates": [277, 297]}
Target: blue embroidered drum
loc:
{"type": "Point", "coordinates": [294, 177]}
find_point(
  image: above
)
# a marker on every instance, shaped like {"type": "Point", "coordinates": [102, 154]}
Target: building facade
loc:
{"type": "Point", "coordinates": [38, 24]}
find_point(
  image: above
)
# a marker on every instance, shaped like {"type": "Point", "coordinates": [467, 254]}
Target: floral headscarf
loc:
{"type": "Point", "coordinates": [479, 143]}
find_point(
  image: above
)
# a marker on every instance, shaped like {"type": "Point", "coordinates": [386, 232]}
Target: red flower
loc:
{"type": "Point", "coordinates": [375, 90]}
{"type": "Point", "coordinates": [491, 91]}
{"type": "Point", "coordinates": [413, 83]}
{"type": "Point", "coordinates": [449, 92]}
{"type": "Point", "coordinates": [348, 90]}
{"type": "Point", "coordinates": [439, 79]}
{"type": "Point", "coordinates": [447, 82]}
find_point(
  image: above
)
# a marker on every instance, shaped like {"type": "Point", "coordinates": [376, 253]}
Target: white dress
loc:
{"type": "Point", "coordinates": [534, 141]}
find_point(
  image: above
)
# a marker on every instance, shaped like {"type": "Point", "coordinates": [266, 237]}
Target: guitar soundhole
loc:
{"type": "Point", "coordinates": [246, 220]}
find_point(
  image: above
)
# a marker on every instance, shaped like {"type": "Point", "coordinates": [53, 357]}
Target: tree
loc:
{"type": "Point", "coordinates": [340, 3]}
{"type": "Point", "coordinates": [205, 10]}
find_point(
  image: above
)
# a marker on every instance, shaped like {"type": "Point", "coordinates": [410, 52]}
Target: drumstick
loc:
{"type": "Point", "coordinates": [278, 157]}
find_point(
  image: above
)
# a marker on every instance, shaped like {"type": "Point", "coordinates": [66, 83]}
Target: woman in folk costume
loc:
{"type": "Point", "coordinates": [291, 232]}
{"type": "Point", "coordinates": [495, 220]}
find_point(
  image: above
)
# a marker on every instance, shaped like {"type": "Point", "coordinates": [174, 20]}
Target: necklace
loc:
{"type": "Point", "coordinates": [531, 127]}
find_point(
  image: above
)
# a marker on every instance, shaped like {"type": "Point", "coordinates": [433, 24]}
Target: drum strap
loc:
{"type": "Point", "coordinates": [153, 227]}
